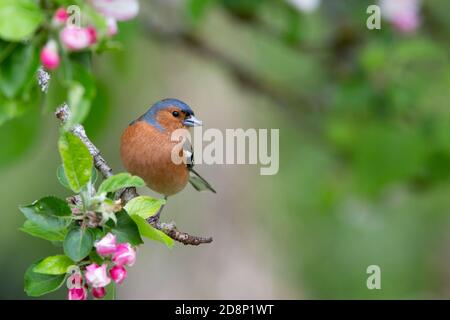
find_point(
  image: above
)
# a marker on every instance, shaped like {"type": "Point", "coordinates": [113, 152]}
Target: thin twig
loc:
{"type": "Point", "coordinates": [63, 114]}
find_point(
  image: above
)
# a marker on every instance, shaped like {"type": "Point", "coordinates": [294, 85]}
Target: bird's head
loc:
{"type": "Point", "coordinates": [170, 114]}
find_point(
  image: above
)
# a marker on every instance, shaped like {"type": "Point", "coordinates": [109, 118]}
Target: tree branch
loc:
{"type": "Point", "coordinates": [63, 114]}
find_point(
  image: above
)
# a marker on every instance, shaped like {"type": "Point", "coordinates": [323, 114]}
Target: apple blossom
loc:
{"type": "Point", "coordinates": [77, 294]}
{"type": "Point", "coordinates": [124, 255]}
{"type": "Point", "coordinates": [107, 245]}
{"type": "Point", "coordinates": [98, 293]}
{"type": "Point", "coordinates": [120, 10]}
{"type": "Point", "coordinates": [49, 55]}
{"type": "Point", "coordinates": [96, 275]}
{"type": "Point", "coordinates": [92, 35]}
{"type": "Point", "coordinates": [75, 38]}
{"type": "Point", "coordinates": [60, 17]}
{"type": "Point", "coordinates": [118, 274]}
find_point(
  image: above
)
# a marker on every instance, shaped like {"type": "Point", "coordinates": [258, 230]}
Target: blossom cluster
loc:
{"type": "Point", "coordinates": [96, 276]}
{"type": "Point", "coordinates": [73, 37]}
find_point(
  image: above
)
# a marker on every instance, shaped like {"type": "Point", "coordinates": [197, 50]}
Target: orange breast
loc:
{"type": "Point", "coordinates": [146, 152]}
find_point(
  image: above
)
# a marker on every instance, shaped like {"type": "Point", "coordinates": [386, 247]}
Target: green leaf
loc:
{"type": "Point", "coordinates": [37, 231]}
{"type": "Point", "coordinates": [48, 213]}
{"type": "Point", "coordinates": [61, 176]}
{"type": "Point", "coordinates": [94, 176]}
{"type": "Point", "coordinates": [18, 69]}
{"type": "Point", "coordinates": [54, 265]}
{"type": "Point", "coordinates": [38, 284]}
{"type": "Point", "coordinates": [19, 19]}
{"type": "Point", "coordinates": [77, 161]}
{"type": "Point", "coordinates": [144, 206]}
{"type": "Point", "coordinates": [146, 230]}
{"type": "Point", "coordinates": [119, 181]}
{"type": "Point", "coordinates": [126, 229]}
{"type": "Point", "coordinates": [78, 243]}
{"type": "Point", "coordinates": [53, 206]}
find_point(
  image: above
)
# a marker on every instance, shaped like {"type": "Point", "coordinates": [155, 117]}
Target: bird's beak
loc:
{"type": "Point", "coordinates": [192, 122]}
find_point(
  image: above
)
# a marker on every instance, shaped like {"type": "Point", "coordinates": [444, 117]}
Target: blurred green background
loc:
{"type": "Point", "coordinates": [364, 119]}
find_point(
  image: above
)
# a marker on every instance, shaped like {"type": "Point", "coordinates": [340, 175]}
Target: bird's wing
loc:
{"type": "Point", "coordinates": [195, 179]}
{"type": "Point", "coordinates": [188, 153]}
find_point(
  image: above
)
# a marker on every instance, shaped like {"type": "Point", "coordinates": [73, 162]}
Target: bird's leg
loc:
{"type": "Point", "coordinates": [155, 218]}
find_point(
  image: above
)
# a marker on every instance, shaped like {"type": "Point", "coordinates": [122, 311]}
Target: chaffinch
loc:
{"type": "Point", "coordinates": [146, 148]}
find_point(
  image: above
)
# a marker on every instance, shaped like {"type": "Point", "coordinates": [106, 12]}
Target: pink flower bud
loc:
{"type": "Point", "coordinates": [75, 38]}
{"type": "Point", "coordinates": [92, 35]}
{"type": "Point", "coordinates": [77, 294]}
{"type": "Point", "coordinates": [118, 274]}
{"type": "Point", "coordinates": [49, 55]}
{"type": "Point", "coordinates": [107, 245]}
{"type": "Point", "coordinates": [96, 275]}
{"type": "Point", "coordinates": [124, 255]}
{"type": "Point", "coordinates": [98, 293]}
{"type": "Point", "coordinates": [60, 17]}
{"type": "Point", "coordinates": [120, 10]}
{"type": "Point", "coordinates": [112, 26]}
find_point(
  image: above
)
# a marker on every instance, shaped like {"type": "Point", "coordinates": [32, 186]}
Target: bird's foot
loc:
{"type": "Point", "coordinates": [155, 218]}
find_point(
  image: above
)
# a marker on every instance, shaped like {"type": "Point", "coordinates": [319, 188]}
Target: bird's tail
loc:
{"type": "Point", "coordinates": [198, 182]}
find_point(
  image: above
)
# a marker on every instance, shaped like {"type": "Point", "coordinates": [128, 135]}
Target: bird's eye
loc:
{"type": "Point", "coordinates": [175, 114]}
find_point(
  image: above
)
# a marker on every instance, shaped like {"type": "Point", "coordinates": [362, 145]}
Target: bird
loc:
{"type": "Point", "coordinates": [146, 148]}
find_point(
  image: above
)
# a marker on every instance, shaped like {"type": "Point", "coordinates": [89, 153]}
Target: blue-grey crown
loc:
{"type": "Point", "coordinates": [166, 103]}
{"type": "Point", "coordinates": [150, 115]}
